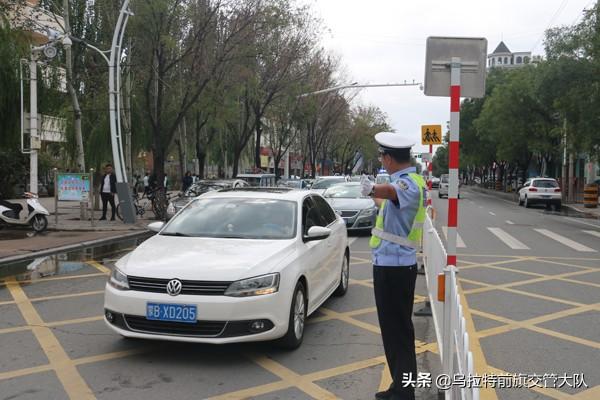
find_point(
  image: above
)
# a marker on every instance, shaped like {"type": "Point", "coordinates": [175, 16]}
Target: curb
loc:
{"type": "Point", "coordinates": [71, 247]}
{"type": "Point", "coordinates": [575, 209]}
{"type": "Point", "coordinates": [491, 192]}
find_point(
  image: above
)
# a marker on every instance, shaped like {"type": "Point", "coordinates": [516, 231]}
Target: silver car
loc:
{"type": "Point", "coordinates": [358, 212]}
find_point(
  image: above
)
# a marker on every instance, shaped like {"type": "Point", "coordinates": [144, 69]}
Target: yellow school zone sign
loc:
{"type": "Point", "coordinates": [431, 134]}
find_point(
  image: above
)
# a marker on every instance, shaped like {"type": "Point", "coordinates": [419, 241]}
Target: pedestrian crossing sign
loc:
{"type": "Point", "coordinates": [431, 134]}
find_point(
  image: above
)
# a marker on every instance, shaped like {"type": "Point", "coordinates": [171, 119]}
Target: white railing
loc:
{"type": "Point", "coordinates": [449, 321]}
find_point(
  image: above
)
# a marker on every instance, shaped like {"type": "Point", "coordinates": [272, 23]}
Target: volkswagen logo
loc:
{"type": "Point", "coordinates": [174, 287]}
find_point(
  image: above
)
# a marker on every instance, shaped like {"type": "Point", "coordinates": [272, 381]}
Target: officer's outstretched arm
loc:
{"type": "Point", "coordinates": [384, 191]}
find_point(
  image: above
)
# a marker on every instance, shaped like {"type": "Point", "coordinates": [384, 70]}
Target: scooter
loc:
{"type": "Point", "coordinates": [10, 213]}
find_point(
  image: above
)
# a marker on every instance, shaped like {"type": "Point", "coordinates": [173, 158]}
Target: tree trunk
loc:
{"type": "Point", "coordinates": [73, 94]}
{"type": "Point", "coordinates": [258, 130]}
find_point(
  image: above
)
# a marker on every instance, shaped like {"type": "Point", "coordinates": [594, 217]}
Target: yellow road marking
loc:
{"type": "Point", "coordinates": [253, 391]}
{"type": "Point", "coordinates": [589, 394]}
{"type": "Point", "coordinates": [75, 321]}
{"type": "Point", "coordinates": [532, 257]}
{"type": "Point", "coordinates": [3, 303]}
{"type": "Point", "coordinates": [24, 372]}
{"type": "Point", "coordinates": [480, 364]}
{"type": "Point", "coordinates": [386, 378]}
{"type": "Point", "coordinates": [289, 376]}
{"type": "Point", "coordinates": [345, 369]}
{"type": "Point", "coordinates": [66, 371]}
{"type": "Point", "coordinates": [66, 296]}
{"type": "Point", "coordinates": [109, 356]}
{"type": "Point", "coordinates": [350, 320]}
{"type": "Point", "coordinates": [99, 266]}
{"type": "Point", "coordinates": [553, 393]}
{"type": "Point", "coordinates": [360, 260]}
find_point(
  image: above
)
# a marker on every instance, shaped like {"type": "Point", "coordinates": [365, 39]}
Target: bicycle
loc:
{"type": "Point", "coordinates": [140, 208]}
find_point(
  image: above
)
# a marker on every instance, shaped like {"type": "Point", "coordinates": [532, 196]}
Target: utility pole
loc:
{"type": "Point", "coordinates": [33, 124]}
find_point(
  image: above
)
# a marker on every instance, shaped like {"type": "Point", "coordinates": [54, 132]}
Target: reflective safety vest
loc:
{"type": "Point", "coordinates": [413, 239]}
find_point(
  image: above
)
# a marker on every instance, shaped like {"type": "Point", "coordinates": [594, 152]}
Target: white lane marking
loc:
{"type": "Point", "coordinates": [459, 241]}
{"type": "Point", "coordinates": [508, 239]}
{"type": "Point", "coordinates": [509, 222]}
{"type": "Point", "coordinates": [594, 233]}
{"type": "Point", "coordinates": [491, 213]}
{"type": "Point", "coordinates": [582, 222]}
{"type": "Point", "coordinates": [566, 241]}
{"type": "Point", "coordinates": [351, 240]}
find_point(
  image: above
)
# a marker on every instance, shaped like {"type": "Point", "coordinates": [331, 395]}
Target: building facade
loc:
{"type": "Point", "coordinates": [502, 57]}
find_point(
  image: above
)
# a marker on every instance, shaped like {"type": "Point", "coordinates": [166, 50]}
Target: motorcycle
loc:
{"type": "Point", "coordinates": [10, 213]}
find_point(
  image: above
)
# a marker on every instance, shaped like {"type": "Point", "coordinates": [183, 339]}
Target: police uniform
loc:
{"type": "Point", "coordinates": [394, 244]}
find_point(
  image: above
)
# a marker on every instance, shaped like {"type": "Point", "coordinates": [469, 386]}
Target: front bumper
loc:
{"type": "Point", "coordinates": [221, 319]}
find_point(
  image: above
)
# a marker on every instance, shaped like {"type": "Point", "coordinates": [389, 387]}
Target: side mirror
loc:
{"type": "Point", "coordinates": [156, 226]}
{"type": "Point", "coordinates": [317, 233]}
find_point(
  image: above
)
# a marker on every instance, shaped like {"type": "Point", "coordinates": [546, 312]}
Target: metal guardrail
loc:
{"type": "Point", "coordinates": [449, 321]}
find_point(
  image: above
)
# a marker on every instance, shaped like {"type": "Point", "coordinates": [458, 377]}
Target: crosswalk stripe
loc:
{"type": "Point", "coordinates": [509, 222]}
{"type": "Point", "coordinates": [508, 240]}
{"type": "Point", "coordinates": [593, 233]}
{"type": "Point", "coordinates": [491, 213]}
{"type": "Point", "coordinates": [459, 241]}
{"type": "Point", "coordinates": [566, 241]}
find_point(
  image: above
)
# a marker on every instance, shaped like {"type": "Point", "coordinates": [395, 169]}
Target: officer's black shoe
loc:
{"type": "Point", "coordinates": [385, 395]}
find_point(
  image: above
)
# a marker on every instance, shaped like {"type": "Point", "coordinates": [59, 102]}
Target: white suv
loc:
{"type": "Point", "coordinates": [444, 182]}
{"type": "Point", "coordinates": [540, 190]}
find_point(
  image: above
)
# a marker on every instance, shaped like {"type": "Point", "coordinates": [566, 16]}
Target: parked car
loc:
{"type": "Point", "coordinates": [199, 188]}
{"type": "Point", "coordinates": [435, 182]}
{"type": "Point", "coordinates": [236, 265]}
{"type": "Point", "coordinates": [325, 182]}
{"type": "Point", "coordinates": [359, 212]}
{"type": "Point", "coordinates": [444, 182]}
{"type": "Point", "coordinates": [540, 191]}
{"type": "Point", "coordinates": [292, 183]}
{"type": "Point", "coordinates": [258, 179]}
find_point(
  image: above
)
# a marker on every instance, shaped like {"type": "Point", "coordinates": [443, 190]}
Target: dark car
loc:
{"type": "Point", "coordinates": [359, 212]}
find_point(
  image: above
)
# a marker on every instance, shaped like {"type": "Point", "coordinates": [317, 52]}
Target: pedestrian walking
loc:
{"type": "Point", "coordinates": [187, 181]}
{"type": "Point", "coordinates": [108, 189]}
{"type": "Point", "coordinates": [393, 243]}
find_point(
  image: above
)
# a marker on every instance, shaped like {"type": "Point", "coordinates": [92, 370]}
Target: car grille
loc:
{"type": "Point", "coordinates": [199, 288]}
{"type": "Point", "coordinates": [200, 328]}
{"type": "Point", "coordinates": [348, 214]}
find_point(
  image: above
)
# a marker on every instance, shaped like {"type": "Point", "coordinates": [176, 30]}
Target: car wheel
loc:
{"type": "Point", "coordinates": [439, 195]}
{"type": "Point", "coordinates": [527, 205]}
{"type": "Point", "coordinates": [520, 201]}
{"type": "Point", "coordinates": [345, 277]}
{"type": "Point", "coordinates": [295, 333]}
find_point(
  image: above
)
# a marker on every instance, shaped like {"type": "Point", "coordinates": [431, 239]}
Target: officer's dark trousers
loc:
{"type": "Point", "coordinates": [394, 297]}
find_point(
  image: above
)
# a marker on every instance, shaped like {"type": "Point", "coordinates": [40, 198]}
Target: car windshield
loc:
{"type": "Point", "coordinates": [343, 192]}
{"type": "Point", "coordinates": [546, 183]}
{"type": "Point", "coordinates": [382, 179]}
{"type": "Point", "coordinates": [327, 183]}
{"type": "Point", "coordinates": [242, 218]}
{"type": "Point", "coordinates": [444, 178]}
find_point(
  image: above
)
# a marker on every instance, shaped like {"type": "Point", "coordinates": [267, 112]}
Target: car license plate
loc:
{"type": "Point", "coordinates": [546, 196]}
{"type": "Point", "coordinates": [171, 312]}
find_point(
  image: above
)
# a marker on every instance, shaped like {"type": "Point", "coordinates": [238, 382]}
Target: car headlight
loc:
{"type": "Point", "coordinates": [368, 212]}
{"type": "Point", "coordinates": [171, 209]}
{"type": "Point", "coordinates": [118, 280]}
{"type": "Point", "coordinates": [265, 284]}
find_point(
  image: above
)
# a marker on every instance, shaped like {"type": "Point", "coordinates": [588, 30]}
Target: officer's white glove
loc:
{"type": "Point", "coordinates": [366, 186]}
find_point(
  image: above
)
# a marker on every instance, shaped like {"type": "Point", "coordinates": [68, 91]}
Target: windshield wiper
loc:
{"type": "Point", "coordinates": [175, 234]}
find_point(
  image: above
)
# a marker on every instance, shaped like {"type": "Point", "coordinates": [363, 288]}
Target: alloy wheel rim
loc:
{"type": "Point", "coordinates": [299, 315]}
{"type": "Point", "coordinates": [38, 223]}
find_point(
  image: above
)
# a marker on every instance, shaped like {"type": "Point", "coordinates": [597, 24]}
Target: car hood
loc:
{"type": "Point", "coordinates": [182, 200]}
{"type": "Point", "coordinates": [210, 259]}
{"type": "Point", "coordinates": [350, 204]}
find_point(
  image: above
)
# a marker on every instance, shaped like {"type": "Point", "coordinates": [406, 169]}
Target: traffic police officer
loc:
{"type": "Point", "coordinates": [394, 241]}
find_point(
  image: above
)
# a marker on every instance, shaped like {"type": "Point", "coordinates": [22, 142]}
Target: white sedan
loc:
{"type": "Point", "coordinates": [239, 265]}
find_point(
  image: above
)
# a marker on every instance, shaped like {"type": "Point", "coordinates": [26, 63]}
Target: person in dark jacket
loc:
{"type": "Point", "coordinates": [108, 189]}
{"type": "Point", "coordinates": [187, 181]}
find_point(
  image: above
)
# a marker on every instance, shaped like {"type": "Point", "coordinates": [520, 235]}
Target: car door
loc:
{"type": "Point", "coordinates": [523, 190]}
{"type": "Point", "coordinates": [335, 242]}
{"type": "Point", "coordinates": [314, 254]}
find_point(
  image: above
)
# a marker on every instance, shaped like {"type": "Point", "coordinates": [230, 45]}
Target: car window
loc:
{"type": "Point", "coordinates": [344, 192]}
{"type": "Point", "coordinates": [325, 210]}
{"type": "Point", "coordinates": [444, 178]}
{"type": "Point", "coordinates": [326, 183]}
{"type": "Point", "coordinates": [545, 183]}
{"type": "Point", "coordinates": [244, 218]}
{"type": "Point", "coordinates": [526, 183]}
{"type": "Point", "coordinates": [310, 215]}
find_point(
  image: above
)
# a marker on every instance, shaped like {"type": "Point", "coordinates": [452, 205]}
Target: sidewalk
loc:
{"type": "Point", "coordinates": [70, 232]}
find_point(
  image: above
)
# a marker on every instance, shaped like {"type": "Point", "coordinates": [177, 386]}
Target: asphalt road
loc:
{"type": "Point", "coordinates": [55, 345]}
{"type": "Point", "coordinates": [531, 280]}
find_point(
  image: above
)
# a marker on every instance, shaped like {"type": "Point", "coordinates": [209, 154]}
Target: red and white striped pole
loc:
{"type": "Point", "coordinates": [430, 174]}
{"type": "Point", "coordinates": [453, 159]}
